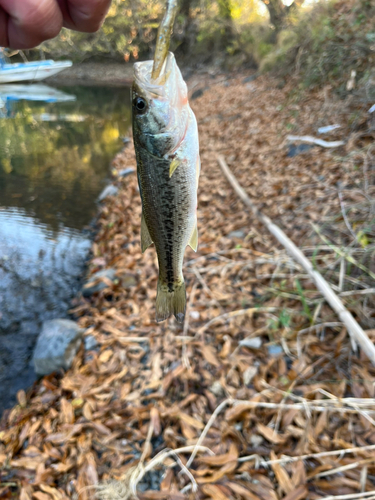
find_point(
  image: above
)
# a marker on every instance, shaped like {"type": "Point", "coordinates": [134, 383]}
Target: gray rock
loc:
{"type": "Point", "coordinates": [90, 343]}
{"type": "Point", "coordinates": [274, 350]}
{"type": "Point", "coordinates": [125, 172]}
{"type": "Point", "coordinates": [110, 190]}
{"type": "Point", "coordinates": [236, 234]}
{"type": "Point", "coordinates": [95, 283]}
{"type": "Point", "coordinates": [252, 343]}
{"type": "Point", "coordinates": [249, 374]}
{"type": "Point", "coordinates": [256, 440]}
{"type": "Point", "coordinates": [57, 344]}
{"type": "Point", "coordinates": [250, 78]}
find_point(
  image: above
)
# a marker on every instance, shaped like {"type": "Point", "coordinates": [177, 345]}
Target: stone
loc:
{"type": "Point", "coordinates": [109, 190]}
{"type": "Point", "coordinates": [217, 389]}
{"type": "Point", "coordinates": [95, 283]}
{"type": "Point", "coordinates": [256, 440]}
{"type": "Point", "coordinates": [249, 374]}
{"type": "Point", "coordinates": [252, 343]}
{"type": "Point", "coordinates": [57, 345]}
{"type": "Point", "coordinates": [125, 172]}
{"type": "Point", "coordinates": [90, 343]}
{"type": "Point", "coordinates": [274, 350]}
{"type": "Point", "coordinates": [236, 234]}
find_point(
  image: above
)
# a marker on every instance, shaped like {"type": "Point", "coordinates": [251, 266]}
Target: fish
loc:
{"type": "Point", "coordinates": [166, 143]}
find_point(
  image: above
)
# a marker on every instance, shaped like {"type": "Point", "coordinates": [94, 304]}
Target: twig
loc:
{"type": "Point", "coordinates": [147, 443]}
{"type": "Point", "coordinates": [319, 326]}
{"type": "Point", "coordinates": [343, 468]}
{"type": "Point", "coordinates": [127, 487]}
{"type": "Point", "coordinates": [301, 406]}
{"type": "Point", "coordinates": [369, 291]}
{"type": "Point", "coordinates": [354, 329]}
{"type": "Point", "coordinates": [233, 314]}
{"type": "Point", "coordinates": [309, 456]}
{"type": "Point", "coordinates": [345, 217]}
{"type": "Point", "coordinates": [313, 140]}
{"type": "Point", "coordinates": [206, 429]}
{"type": "Point", "coordinates": [369, 495]}
{"type": "Point", "coordinates": [341, 252]}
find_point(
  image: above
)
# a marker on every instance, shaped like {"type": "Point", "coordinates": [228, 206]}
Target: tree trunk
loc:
{"type": "Point", "coordinates": [278, 11]}
{"type": "Point", "coordinates": [187, 28]}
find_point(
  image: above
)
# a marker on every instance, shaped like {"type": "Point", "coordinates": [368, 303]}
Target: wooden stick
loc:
{"type": "Point", "coordinates": [355, 330]}
{"type": "Point", "coordinates": [313, 140]}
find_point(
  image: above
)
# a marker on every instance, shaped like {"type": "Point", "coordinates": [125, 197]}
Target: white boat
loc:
{"type": "Point", "coordinates": [31, 71]}
{"type": "Point", "coordinates": [35, 92]}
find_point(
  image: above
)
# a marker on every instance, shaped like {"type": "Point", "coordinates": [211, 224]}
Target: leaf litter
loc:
{"type": "Point", "coordinates": [259, 395]}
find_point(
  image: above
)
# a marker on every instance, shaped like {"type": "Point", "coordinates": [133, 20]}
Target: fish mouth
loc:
{"type": "Point", "coordinates": [169, 85]}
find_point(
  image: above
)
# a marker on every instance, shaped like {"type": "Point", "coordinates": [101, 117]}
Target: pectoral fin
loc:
{"type": "Point", "coordinates": [146, 239]}
{"type": "Point", "coordinates": [193, 243]}
{"type": "Point", "coordinates": [172, 167]}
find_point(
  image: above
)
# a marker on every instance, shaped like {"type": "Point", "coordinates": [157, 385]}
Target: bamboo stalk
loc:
{"type": "Point", "coordinates": [355, 330]}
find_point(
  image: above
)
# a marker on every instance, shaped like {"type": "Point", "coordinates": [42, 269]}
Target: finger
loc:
{"type": "Point", "coordinates": [30, 22]}
{"type": "Point", "coordinates": [84, 15]}
{"type": "Point", "coordinates": [3, 28]}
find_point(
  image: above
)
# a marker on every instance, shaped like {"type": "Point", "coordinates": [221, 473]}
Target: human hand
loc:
{"type": "Point", "coordinates": [26, 23]}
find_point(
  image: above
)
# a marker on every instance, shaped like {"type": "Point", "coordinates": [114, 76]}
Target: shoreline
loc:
{"type": "Point", "coordinates": [94, 74]}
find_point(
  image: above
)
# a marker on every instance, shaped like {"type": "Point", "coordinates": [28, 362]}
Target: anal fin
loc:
{"type": "Point", "coordinates": [146, 239]}
{"type": "Point", "coordinates": [193, 242]}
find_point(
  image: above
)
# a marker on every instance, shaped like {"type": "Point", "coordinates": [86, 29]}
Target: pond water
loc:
{"type": "Point", "coordinates": [54, 161]}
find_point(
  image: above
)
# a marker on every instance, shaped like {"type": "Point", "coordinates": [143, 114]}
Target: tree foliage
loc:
{"type": "Point", "coordinates": [130, 29]}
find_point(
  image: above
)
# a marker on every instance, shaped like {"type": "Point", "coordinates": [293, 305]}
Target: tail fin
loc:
{"type": "Point", "coordinates": [168, 303]}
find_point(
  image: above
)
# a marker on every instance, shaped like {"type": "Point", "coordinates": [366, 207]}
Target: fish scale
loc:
{"type": "Point", "coordinates": [168, 224]}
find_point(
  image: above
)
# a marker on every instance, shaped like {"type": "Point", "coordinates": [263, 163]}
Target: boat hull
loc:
{"type": "Point", "coordinates": [24, 72]}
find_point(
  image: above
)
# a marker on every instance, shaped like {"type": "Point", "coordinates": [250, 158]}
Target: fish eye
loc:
{"type": "Point", "coordinates": [140, 104]}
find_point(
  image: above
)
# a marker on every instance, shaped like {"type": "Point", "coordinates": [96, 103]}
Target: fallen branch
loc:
{"type": "Point", "coordinates": [314, 140]}
{"type": "Point", "coordinates": [310, 456]}
{"type": "Point", "coordinates": [369, 495]}
{"type": "Point", "coordinates": [355, 330]}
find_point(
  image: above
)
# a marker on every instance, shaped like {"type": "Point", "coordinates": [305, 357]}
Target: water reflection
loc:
{"type": "Point", "coordinates": [39, 272]}
{"type": "Point", "coordinates": [54, 157]}
{"type": "Point", "coordinates": [55, 167]}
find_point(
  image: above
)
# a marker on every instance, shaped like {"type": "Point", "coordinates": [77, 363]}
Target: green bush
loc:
{"type": "Point", "coordinates": [326, 43]}
{"type": "Point", "coordinates": [286, 47]}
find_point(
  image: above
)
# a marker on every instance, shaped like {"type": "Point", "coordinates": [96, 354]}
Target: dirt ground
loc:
{"type": "Point", "coordinates": [260, 395]}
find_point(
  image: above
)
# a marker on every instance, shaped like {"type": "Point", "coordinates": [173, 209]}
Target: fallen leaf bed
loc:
{"type": "Point", "coordinates": [259, 395]}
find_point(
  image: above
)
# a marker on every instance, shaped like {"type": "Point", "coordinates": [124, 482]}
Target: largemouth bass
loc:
{"type": "Point", "coordinates": [167, 150]}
